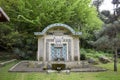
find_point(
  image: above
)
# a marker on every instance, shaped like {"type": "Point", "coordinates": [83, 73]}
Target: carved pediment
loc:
{"type": "Point", "coordinates": [58, 29]}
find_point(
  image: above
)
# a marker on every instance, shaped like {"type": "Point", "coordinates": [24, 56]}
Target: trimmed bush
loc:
{"type": "Point", "coordinates": [82, 57]}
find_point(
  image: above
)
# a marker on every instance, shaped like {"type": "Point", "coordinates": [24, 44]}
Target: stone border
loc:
{"type": "Point", "coordinates": [17, 65]}
{"type": "Point", "coordinates": [81, 69]}
{"type": "Point", "coordinates": [54, 71]}
{"type": "Point", "coordinates": [89, 70]}
{"type": "Point", "coordinates": [7, 62]}
{"type": "Point", "coordinates": [4, 14]}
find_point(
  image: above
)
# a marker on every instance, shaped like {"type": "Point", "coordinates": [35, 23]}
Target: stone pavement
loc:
{"type": "Point", "coordinates": [23, 67]}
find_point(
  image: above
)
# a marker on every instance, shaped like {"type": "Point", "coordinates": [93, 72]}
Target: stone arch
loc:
{"type": "Point", "coordinates": [58, 25]}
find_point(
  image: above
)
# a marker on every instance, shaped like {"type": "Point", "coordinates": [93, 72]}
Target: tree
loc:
{"type": "Point", "coordinates": [109, 35]}
{"type": "Point", "coordinates": [109, 38]}
{"type": "Point", "coordinates": [28, 16]}
{"type": "Point", "coordinates": [97, 4]}
{"type": "Point", "coordinates": [107, 17]}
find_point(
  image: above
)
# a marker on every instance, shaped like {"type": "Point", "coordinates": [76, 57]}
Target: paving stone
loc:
{"type": "Point", "coordinates": [23, 67]}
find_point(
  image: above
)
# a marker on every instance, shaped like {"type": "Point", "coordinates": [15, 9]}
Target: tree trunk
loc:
{"type": "Point", "coordinates": [115, 60]}
{"type": "Point", "coordinates": [98, 9]}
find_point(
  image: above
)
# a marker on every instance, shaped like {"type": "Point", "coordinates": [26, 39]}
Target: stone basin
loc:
{"type": "Point", "coordinates": [58, 66]}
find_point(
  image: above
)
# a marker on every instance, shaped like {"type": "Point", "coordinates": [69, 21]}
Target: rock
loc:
{"type": "Point", "coordinates": [93, 61]}
{"type": "Point", "coordinates": [49, 66]}
{"type": "Point", "coordinates": [104, 59]}
{"type": "Point", "coordinates": [119, 54]}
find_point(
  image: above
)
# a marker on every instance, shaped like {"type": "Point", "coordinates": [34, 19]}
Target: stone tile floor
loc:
{"type": "Point", "coordinates": [23, 67]}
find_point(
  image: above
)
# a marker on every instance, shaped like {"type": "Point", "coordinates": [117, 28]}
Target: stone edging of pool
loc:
{"type": "Point", "coordinates": [23, 67]}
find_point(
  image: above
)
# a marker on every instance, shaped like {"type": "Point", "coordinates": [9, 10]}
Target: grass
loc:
{"type": "Point", "coordinates": [108, 75]}
{"type": "Point", "coordinates": [3, 61]}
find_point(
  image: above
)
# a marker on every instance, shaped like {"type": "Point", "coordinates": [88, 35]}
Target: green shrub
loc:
{"type": "Point", "coordinates": [82, 57]}
{"type": "Point", "coordinates": [83, 51]}
{"type": "Point", "coordinates": [91, 53]}
{"type": "Point", "coordinates": [97, 55]}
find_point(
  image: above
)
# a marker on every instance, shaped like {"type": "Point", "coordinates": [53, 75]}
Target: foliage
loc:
{"type": "Point", "coordinates": [28, 16]}
{"type": "Point", "coordinates": [106, 17]}
{"type": "Point", "coordinates": [89, 53]}
{"type": "Point", "coordinates": [109, 38]}
{"type": "Point", "coordinates": [82, 57]}
{"type": "Point", "coordinates": [97, 3]}
{"type": "Point", "coordinates": [4, 56]}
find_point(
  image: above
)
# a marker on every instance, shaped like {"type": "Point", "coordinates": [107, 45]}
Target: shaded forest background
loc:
{"type": "Point", "coordinates": [29, 16]}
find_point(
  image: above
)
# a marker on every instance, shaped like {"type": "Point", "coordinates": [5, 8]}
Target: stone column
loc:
{"type": "Point", "coordinates": [72, 50]}
{"type": "Point", "coordinates": [44, 49]}
{"type": "Point", "coordinates": [78, 47]}
{"type": "Point", "coordinates": [38, 51]}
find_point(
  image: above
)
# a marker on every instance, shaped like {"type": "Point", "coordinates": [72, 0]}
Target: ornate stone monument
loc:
{"type": "Point", "coordinates": [58, 42]}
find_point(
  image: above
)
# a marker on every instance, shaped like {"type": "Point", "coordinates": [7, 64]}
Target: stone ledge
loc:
{"type": "Point", "coordinates": [63, 71]}
{"type": "Point", "coordinates": [6, 62]}
{"type": "Point", "coordinates": [23, 67]}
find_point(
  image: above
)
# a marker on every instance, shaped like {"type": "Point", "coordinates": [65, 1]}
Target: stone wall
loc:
{"type": "Point", "coordinates": [44, 47]}
{"type": "Point", "coordinates": [40, 48]}
{"type": "Point", "coordinates": [76, 49]}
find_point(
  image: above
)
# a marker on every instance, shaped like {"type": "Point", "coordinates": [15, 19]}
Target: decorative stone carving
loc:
{"type": "Point", "coordinates": [57, 25]}
{"type": "Point", "coordinates": [59, 43]}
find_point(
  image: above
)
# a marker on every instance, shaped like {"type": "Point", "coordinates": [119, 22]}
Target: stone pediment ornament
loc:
{"type": "Point", "coordinates": [3, 16]}
{"type": "Point", "coordinates": [58, 25]}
